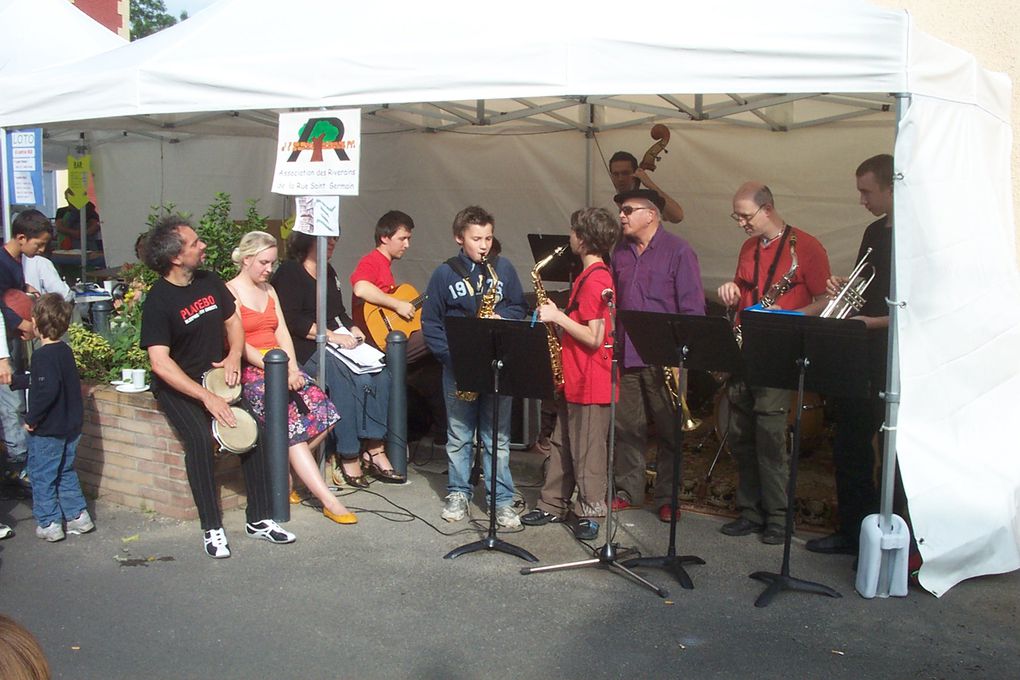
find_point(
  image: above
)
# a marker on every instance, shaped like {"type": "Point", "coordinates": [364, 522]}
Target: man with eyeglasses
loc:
{"type": "Point", "coordinates": [627, 176]}
{"type": "Point", "coordinates": [757, 422]}
{"type": "Point", "coordinates": [654, 271]}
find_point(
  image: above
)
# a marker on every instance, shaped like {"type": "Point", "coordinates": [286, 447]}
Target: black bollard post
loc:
{"type": "Point", "coordinates": [275, 432]}
{"type": "Point", "coordinates": [101, 312]}
{"type": "Point", "coordinates": [396, 421]}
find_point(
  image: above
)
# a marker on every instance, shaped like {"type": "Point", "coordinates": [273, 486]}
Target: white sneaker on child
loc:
{"type": "Point", "coordinates": [507, 517]}
{"type": "Point", "coordinates": [456, 506]}
{"type": "Point", "coordinates": [52, 532]}
{"type": "Point", "coordinates": [82, 524]}
{"type": "Point", "coordinates": [5, 531]}
{"type": "Point", "coordinates": [216, 544]}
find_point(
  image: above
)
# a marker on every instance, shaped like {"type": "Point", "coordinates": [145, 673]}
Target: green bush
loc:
{"type": "Point", "coordinates": [92, 353]}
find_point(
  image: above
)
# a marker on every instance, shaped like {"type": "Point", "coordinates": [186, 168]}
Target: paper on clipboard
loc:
{"type": "Point", "coordinates": [362, 359]}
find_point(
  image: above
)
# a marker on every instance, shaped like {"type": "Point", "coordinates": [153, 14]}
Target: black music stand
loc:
{"type": "Point", "coordinates": [778, 351]}
{"type": "Point", "coordinates": [505, 359]}
{"type": "Point", "coordinates": [686, 341]}
{"type": "Point", "coordinates": [607, 555]}
{"type": "Point", "coordinates": [562, 269]}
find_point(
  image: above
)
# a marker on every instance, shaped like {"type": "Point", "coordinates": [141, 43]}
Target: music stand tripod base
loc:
{"type": "Point", "coordinates": [491, 543]}
{"type": "Point", "coordinates": [605, 557]}
{"type": "Point", "coordinates": [778, 583]}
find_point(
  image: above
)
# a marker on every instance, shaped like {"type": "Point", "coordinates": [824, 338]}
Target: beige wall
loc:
{"type": "Point", "coordinates": [988, 29]}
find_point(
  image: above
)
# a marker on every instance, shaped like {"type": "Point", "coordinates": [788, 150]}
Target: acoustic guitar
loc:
{"type": "Point", "coordinates": [379, 321]}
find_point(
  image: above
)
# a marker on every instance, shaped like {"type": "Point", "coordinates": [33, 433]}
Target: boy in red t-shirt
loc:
{"type": "Point", "coordinates": [579, 440]}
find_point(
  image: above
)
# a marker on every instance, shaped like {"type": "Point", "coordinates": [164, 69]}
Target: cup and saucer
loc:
{"type": "Point", "coordinates": [132, 381]}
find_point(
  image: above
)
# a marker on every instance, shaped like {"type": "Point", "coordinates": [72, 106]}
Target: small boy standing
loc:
{"type": "Point", "coordinates": [579, 455]}
{"type": "Point", "coordinates": [456, 288]}
{"type": "Point", "coordinates": [54, 422]}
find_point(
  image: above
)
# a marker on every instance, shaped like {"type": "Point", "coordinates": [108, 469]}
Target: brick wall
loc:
{"type": "Point", "coordinates": [130, 455]}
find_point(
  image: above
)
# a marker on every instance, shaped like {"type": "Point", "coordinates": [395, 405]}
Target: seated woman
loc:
{"type": "Point", "coordinates": [265, 329]}
{"type": "Point", "coordinates": [363, 399]}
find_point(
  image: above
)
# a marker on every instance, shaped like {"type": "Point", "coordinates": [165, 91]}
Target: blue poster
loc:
{"type": "Point", "coordinates": [25, 166]}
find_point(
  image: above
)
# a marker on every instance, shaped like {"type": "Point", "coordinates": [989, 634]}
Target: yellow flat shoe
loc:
{"type": "Point", "coordinates": [346, 518]}
{"type": "Point", "coordinates": [295, 498]}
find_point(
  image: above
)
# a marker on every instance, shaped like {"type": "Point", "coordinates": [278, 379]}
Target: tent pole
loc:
{"type": "Point", "coordinates": [320, 326]}
{"type": "Point", "coordinates": [5, 199]}
{"type": "Point", "coordinates": [892, 388]}
{"type": "Point", "coordinates": [588, 139]}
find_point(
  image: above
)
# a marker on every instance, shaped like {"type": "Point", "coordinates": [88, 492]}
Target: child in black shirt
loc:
{"type": "Point", "coordinates": [54, 422]}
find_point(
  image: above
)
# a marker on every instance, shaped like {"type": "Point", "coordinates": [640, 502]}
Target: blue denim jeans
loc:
{"type": "Point", "coordinates": [12, 419]}
{"type": "Point", "coordinates": [462, 418]}
{"type": "Point", "coordinates": [56, 491]}
{"type": "Point", "coordinates": [362, 400]}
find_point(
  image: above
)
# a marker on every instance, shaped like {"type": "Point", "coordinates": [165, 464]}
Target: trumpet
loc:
{"type": "Point", "coordinates": [677, 398]}
{"type": "Point", "coordinates": [850, 299]}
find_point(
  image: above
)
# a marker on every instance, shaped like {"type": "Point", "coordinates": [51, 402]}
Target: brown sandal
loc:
{"type": "Point", "coordinates": [385, 476]}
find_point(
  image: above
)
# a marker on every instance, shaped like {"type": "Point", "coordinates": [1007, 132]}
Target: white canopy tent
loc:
{"type": "Point", "coordinates": [40, 34]}
{"type": "Point", "coordinates": [45, 33]}
{"type": "Point", "coordinates": [536, 83]}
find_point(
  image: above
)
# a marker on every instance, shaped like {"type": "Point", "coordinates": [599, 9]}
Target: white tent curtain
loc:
{"type": "Point", "coordinates": [959, 333]}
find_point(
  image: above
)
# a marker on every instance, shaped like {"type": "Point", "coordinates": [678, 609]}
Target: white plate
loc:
{"type": "Point", "coordinates": [118, 383]}
{"type": "Point", "coordinates": [131, 389]}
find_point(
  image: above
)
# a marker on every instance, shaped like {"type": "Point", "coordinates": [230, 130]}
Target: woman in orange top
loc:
{"type": "Point", "coordinates": [311, 414]}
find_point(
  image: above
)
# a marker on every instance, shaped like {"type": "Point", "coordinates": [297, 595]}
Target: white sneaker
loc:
{"type": "Point", "coordinates": [216, 544]}
{"type": "Point", "coordinates": [5, 531]}
{"type": "Point", "coordinates": [52, 532]}
{"type": "Point", "coordinates": [268, 530]}
{"type": "Point", "coordinates": [82, 524]}
{"type": "Point", "coordinates": [456, 506]}
{"type": "Point", "coordinates": [507, 517]}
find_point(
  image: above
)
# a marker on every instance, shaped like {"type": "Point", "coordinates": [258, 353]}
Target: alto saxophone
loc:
{"type": "Point", "coordinates": [486, 310]}
{"type": "Point", "coordinates": [777, 290]}
{"type": "Point", "coordinates": [541, 297]}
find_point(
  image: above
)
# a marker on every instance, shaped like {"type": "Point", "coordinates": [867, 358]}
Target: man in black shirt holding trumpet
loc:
{"type": "Point", "coordinates": [859, 419]}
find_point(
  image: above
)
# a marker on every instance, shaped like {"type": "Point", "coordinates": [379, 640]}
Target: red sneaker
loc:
{"type": "Point", "coordinates": [665, 511]}
{"type": "Point", "coordinates": [620, 503]}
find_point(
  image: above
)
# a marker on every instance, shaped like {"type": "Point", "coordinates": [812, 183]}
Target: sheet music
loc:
{"type": "Point", "coordinates": [362, 359]}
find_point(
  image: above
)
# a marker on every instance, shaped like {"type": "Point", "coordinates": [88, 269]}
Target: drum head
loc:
{"type": "Point", "coordinates": [215, 380]}
{"type": "Point", "coordinates": [238, 439]}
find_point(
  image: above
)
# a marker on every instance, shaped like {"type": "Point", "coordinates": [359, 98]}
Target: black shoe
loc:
{"type": "Point", "coordinates": [773, 535]}
{"type": "Point", "coordinates": [537, 518]}
{"type": "Point", "coordinates": [586, 530]}
{"type": "Point", "coordinates": [741, 527]}
{"type": "Point", "coordinates": [833, 544]}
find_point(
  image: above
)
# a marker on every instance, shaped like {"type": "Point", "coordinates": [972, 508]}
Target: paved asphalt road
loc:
{"type": "Point", "coordinates": [138, 599]}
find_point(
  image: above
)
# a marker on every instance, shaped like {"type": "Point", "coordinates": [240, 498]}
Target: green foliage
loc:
{"type": "Point", "coordinates": [92, 353]}
{"type": "Point", "coordinates": [221, 235]}
{"type": "Point", "coordinates": [158, 212]}
{"type": "Point", "coordinates": [150, 16]}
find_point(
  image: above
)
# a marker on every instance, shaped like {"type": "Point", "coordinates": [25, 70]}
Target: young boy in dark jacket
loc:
{"type": "Point", "coordinates": [54, 421]}
{"type": "Point", "coordinates": [456, 288]}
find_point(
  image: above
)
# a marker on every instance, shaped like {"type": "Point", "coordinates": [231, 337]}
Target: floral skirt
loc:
{"type": "Point", "coordinates": [313, 416]}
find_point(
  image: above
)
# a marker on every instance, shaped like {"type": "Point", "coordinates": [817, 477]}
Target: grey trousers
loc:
{"type": "Point", "coordinates": [757, 438]}
{"type": "Point", "coordinates": [643, 394]}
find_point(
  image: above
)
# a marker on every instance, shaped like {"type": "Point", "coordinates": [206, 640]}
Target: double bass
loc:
{"type": "Point", "coordinates": [660, 133]}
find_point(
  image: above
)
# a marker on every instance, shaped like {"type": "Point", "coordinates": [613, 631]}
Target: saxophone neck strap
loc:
{"type": "Point", "coordinates": [576, 291]}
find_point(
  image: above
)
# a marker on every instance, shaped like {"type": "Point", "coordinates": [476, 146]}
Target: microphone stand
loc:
{"type": "Point", "coordinates": [606, 556]}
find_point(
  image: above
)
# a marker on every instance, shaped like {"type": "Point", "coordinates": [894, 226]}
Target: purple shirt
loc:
{"type": "Point", "coordinates": [664, 278]}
